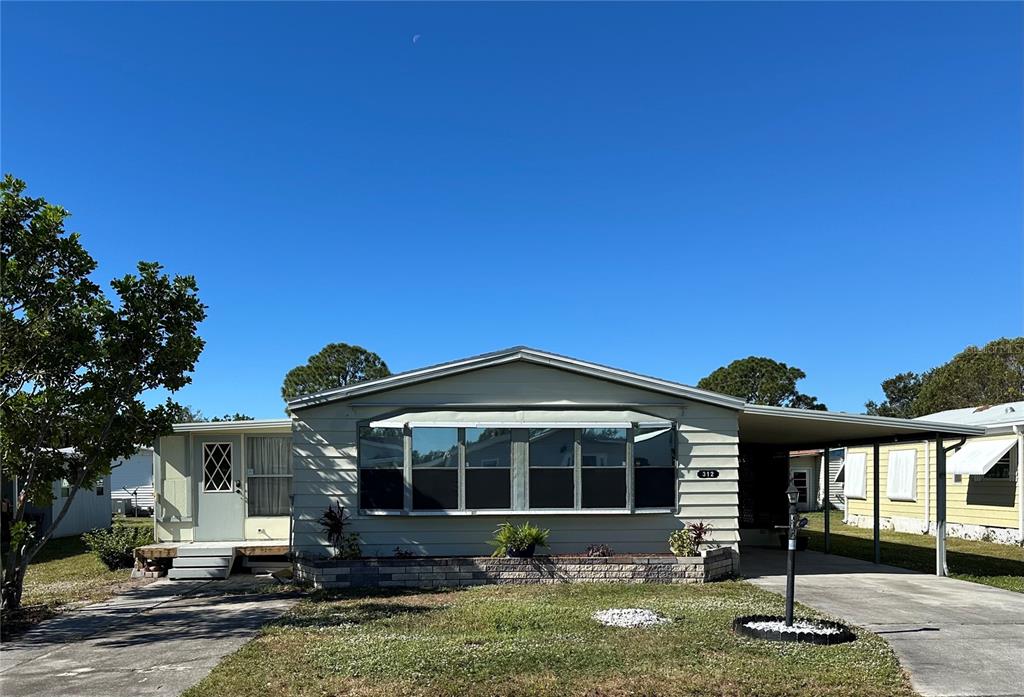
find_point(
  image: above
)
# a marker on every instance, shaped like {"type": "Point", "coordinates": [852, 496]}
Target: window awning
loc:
{"type": "Point", "coordinates": [979, 456]}
{"type": "Point", "coordinates": [524, 418]}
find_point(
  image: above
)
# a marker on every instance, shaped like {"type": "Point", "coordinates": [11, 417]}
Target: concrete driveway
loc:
{"type": "Point", "coordinates": [159, 639]}
{"type": "Point", "coordinates": [954, 637]}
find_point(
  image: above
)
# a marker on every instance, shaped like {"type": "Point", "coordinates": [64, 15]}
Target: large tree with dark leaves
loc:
{"type": "Point", "coordinates": [74, 363]}
{"type": "Point", "coordinates": [761, 381]}
{"type": "Point", "coordinates": [336, 365]}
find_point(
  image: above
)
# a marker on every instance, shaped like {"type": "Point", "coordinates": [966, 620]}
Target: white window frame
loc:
{"type": "Point", "coordinates": [855, 475]}
{"type": "Point", "coordinates": [231, 465]}
{"type": "Point", "coordinates": [892, 483]}
{"type": "Point", "coordinates": [249, 476]}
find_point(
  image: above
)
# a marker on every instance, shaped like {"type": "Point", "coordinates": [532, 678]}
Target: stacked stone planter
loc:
{"type": "Point", "coordinates": [440, 572]}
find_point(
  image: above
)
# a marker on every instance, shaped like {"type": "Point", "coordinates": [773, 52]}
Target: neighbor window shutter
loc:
{"type": "Point", "coordinates": [902, 477]}
{"type": "Point", "coordinates": [855, 482]}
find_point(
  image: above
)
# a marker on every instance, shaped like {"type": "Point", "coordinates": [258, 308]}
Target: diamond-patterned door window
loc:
{"type": "Point", "coordinates": [217, 467]}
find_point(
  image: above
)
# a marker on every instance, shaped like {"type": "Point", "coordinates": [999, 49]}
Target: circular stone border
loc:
{"type": "Point", "coordinates": [843, 636]}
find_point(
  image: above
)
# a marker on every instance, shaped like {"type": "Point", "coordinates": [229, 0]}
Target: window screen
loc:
{"type": "Point", "coordinates": [603, 468]}
{"type": "Point", "coordinates": [552, 461]}
{"type": "Point", "coordinates": [269, 475]}
{"type": "Point", "coordinates": [654, 475]}
{"type": "Point", "coordinates": [381, 463]}
{"type": "Point", "coordinates": [488, 468]}
{"type": "Point", "coordinates": [901, 480]}
{"type": "Point", "coordinates": [435, 468]}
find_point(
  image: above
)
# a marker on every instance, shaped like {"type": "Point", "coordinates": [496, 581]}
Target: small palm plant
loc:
{"type": "Point", "coordinates": [518, 540]}
{"type": "Point", "coordinates": [346, 544]}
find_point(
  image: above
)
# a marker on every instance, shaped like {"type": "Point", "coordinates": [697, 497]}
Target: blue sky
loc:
{"type": "Point", "coordinates": [663, 188]}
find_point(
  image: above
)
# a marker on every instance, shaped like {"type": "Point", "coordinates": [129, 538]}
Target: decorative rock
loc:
{"type": "Point", "coordinates": [629, 617]}
{"type": "Point", "coordinates": [773, 628]}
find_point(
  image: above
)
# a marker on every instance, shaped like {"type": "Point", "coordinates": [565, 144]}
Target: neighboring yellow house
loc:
{"type": "Point", "coordinates": [984, 482]}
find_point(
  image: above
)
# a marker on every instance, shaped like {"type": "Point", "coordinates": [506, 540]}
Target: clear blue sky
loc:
{"type": "Point", "coordinates": [663, 188]}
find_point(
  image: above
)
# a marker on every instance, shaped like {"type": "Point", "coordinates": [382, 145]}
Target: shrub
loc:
{"type": "Point", "coordinates": [346, 544]}
{"type": "Point", "coordinates": [687, 542]}
{"type": "Point", "coordinates": [516, 540]}
{"type": "Point", "coordinates": [600, 551]}
{"type": "Point", "coordinates": [116, 545]}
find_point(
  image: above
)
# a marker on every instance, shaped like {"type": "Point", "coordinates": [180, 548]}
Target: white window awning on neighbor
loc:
{"type": "Point", "coordinates": [531, 418]}
{"type": "Point", "coordinates": [979, 456]}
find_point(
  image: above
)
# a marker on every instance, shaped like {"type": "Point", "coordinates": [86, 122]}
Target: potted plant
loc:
{"type": "Point", "coordinates": [518, 541]}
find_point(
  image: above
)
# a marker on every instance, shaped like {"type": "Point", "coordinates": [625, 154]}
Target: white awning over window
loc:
{"type": "Point", "coordinates": [978, 456]}
{"type": "Point", "coordinates": [525, 418]}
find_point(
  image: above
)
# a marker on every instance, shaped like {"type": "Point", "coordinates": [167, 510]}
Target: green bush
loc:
{"type": "Point", "coordinates": [513, 540]}
{"type": "Point", "coordinates": [687, 542]}
{"type": "Point", "coordinates": [116, 545]}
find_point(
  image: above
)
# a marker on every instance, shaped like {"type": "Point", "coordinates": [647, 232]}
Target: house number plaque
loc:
{"type": "Point", "coordinates": [707, 474]}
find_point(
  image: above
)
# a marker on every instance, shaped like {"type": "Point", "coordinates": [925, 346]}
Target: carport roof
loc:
{"type": "Point", "coordinates": [804, 427]}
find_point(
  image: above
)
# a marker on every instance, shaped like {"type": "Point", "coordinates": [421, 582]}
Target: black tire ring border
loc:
{"type": "Point", "coordinates": [845, 634]}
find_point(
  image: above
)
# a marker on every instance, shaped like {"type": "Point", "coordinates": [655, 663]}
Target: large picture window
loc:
{"type": "Point", "coordinates": [381, 463]}
{"type": "Point", "coordinates": [552, 460]}
{"type": "Point", "coordinates": [269, 475]}
{"type": "Point", "coordinates": [603, 468]}
{"type": "Point", "coordinates": [488, 468]}
{"type": "Point", "coordinates": [435, 469]}
{"type": "Point", "coordinates": [654, 472]}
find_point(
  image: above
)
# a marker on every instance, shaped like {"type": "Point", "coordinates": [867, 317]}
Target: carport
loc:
{"type": "Point", "coordinates": [768, 432]}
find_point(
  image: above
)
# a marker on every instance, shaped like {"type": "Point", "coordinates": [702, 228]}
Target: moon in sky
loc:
{"type": "Point", "coordinates": [415, 38]}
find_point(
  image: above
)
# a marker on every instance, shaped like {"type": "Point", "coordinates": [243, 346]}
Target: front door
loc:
{"type": "Point", "coordinates": [220, 513]}
{"type": "Point", "coordinates": [803, 479]}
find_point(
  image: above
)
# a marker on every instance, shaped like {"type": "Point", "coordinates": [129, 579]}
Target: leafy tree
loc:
{"type": "Point", "coordinates": [74, 364]}
{"type": "Point", "coordinates": [761, 381]}
{"type": "Point", "coordinates": [901, 392]}
{"type": "Point", "coordinates": [336, 365]}
{"type": "Point", "coordinates": [187, 414]}
{"type": "Point", "coordinates": [992, 374]}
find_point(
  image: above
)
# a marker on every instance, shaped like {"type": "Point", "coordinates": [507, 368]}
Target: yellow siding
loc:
{"type": "Point", "coordinates": [993, 503]}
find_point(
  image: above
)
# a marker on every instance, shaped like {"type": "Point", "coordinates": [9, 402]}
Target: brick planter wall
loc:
{"type": "Point", "coordinates": [438, 572]}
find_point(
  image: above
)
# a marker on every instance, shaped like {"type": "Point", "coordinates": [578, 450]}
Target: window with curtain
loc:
{"type": "Point", "coordinates": [269, 474]}
{"type": "Point", "coordinates": [381, 468]}
{"type": "Point", "coordinates": [552, 462]}
{"type": "Point", "coordinates": [654, 472]}
{"type": "Point", "coordinates": [855, 476]}
{"type": "Point", "coordinates": [603, 468]}
{"type": "Point", "coordinates": [435, 468]}
{"type": "Point", "coordinates": [488, 468]}
{"type": "Point", "coordinates": [901, 480]}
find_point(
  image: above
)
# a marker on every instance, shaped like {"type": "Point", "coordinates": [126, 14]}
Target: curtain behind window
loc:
{"type": "Point", "coordinates": [269, 468]}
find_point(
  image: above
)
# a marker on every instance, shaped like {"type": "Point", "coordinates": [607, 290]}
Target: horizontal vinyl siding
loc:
{"type": "Point", "coordinates": [967, 502]}
{"type": "Point", "coordinates": [326, 468]}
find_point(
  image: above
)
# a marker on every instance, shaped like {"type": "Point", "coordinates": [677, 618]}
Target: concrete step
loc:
{"type": "Point", "coordinates": [204, 551]}
{"type": "Point", "coordinates": [212, 562]}
{"type": "Point", "coordinates": [193, 573]}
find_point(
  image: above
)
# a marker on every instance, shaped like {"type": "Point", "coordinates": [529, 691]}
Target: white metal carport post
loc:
{"type": "Point", "coordinates": [940, 506]}
{"type": "Point", "coordinates": [876, 503]}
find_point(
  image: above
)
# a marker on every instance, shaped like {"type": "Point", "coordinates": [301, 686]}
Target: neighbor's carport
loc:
{"type": "Point", "coordinates": [784, 429]}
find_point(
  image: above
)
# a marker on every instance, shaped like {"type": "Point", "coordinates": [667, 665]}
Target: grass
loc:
{"type": "Point", "coordinates": [993, 564]}
{"type": "Point", "coordinates": [65, 575]}
{"type": "Point", "coordinates": [540, 640]}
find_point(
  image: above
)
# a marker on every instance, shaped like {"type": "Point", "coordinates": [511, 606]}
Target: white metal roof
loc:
{"type": "Point", "coordinates": [996, 415]}
{"type": "Point", "coordinates": [248, 425]}
{"type": "Point", "coordinates": [511, 355]}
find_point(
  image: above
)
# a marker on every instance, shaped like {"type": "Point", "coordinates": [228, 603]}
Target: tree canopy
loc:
{"type": "Point", "coordinates": [183, 414]}
{"type": "Point", "coordinates": [760, 380]}
{"type": "Point", "coordinates": [336, 365]}
{"type": "Point", "coordinates": [75, 363]}
{"type": "Point", "coordinates": [992, 374]}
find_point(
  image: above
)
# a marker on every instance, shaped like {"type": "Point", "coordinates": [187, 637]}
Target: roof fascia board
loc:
{"type": "Point", "coordinates": [252, 425]}
{"type": "Point", "coordinates": [865, 419]}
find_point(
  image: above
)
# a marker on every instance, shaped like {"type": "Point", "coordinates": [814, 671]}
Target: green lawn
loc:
{"type": "Point", "coordinates": [541, 640]}
{"type": "Point", "coordinates": [65, 575]}
{"type": "Point", "coordinates": [993, 564]}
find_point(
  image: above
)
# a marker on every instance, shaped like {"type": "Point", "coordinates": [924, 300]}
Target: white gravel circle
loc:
{"type": "Point", "coordinates": [629, 617]}
{"type": "Point", "coordinates": [798, 626]}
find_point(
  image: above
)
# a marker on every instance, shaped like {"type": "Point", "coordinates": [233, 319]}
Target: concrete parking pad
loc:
{"type": "Point", "coordinates": [156, 640]}
{"type": "Point", "coordinates": [957, 639]}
